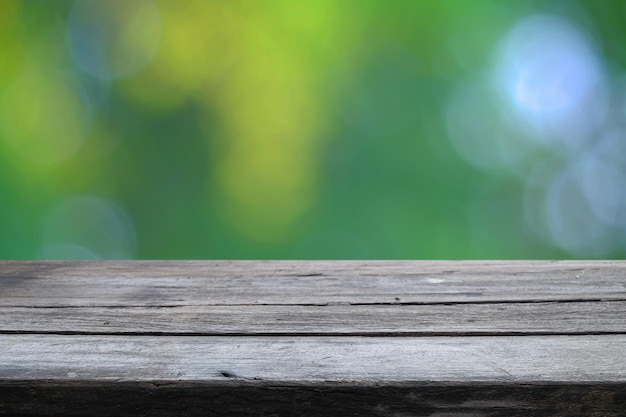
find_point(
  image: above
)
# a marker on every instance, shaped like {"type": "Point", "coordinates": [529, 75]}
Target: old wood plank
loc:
{"type": "Point", "coordinates": [171, 283]}
{"type": "Point", "coordinates": [358, 360]}
{"type": "Point", "coordinates": [505, 318]}
{"type": "Point", "coordinates": [312, 376]}
{"type": "Point", "coordinates": [313, 338]}
{"type": "Point", "coordinates": [573, 359]}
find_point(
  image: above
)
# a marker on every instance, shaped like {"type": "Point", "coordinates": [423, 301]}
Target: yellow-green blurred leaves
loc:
{"type": "Point", "coordinates": [267, 169]}
{"type": "Point", "coordinates": [256, 68]}
{"type": "Point", "coordinates": [43, 120]}
{"type": "Point", "coordinates": [10, 58]}
{"type": "Point", "coordinates": [198, 46]}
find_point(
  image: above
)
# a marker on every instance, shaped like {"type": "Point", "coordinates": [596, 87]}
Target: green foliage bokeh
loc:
{"type": "Point", "coordinates": [279, 129]}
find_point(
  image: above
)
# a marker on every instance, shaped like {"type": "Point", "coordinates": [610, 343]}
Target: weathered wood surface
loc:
{"type": "Point", "coordinates": [316, 359]}
{"type": "Point", "coordinates": [169, 283]}
{"type": "Point", "coordinates": [313, 338]}
{"type": "Point", "coordinates": [389, 320]}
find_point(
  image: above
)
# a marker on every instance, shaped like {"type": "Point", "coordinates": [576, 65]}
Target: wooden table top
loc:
{"type": "Point", "coordinates": [447, 338]}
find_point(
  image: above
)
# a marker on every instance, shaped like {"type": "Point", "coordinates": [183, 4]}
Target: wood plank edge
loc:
{"type": "Point", "coordinates": [245, 398]}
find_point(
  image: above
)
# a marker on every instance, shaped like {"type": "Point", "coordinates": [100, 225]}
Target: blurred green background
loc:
{"type": "Point", "coordinates": [324, 129]}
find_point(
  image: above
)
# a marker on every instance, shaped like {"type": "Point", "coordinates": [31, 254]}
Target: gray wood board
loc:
{"type": "Point", "coordinates": [178, 283]}
{"type": "Point", "coordinates": [311, 338]}
{"type": "Point", "coordinates": [454, 319]}
{"type": "Point", "coordinates": [293, 359]}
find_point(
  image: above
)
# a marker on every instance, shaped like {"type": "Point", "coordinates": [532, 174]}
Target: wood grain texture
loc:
{"type": "Point", "coordinates": [168, 283]}
{"type": "Point", "coordinates": [327, 338]}
{"type": "Point", "coordinates": [391, 320]}
{"type": "Point", "coordinates": [298, 359]}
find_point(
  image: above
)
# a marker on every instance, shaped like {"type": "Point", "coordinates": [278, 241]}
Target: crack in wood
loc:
{"type": "Point", "coordinates": [394, 334]}
{"type": "Point", "coordinates": [329, 304]}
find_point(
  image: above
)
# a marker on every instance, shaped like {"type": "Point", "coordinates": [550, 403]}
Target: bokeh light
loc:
{"type": "Point", "coordinates": [281, 129]}
{"type": "Point", "coordinates": [113, 39]}
{"type": "Point", "coordinates": [548, 116]}
{"type": "Point", "coordinates": [551, 77]}
{"type": "Point", "coordinates": [604, 178]}
{"type": "Point", "coordinates": [87, 227]}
